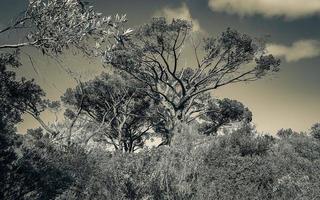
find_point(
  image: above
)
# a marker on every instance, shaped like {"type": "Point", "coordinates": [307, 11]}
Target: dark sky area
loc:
{"type": "Point", "coordinates": [290, 99]}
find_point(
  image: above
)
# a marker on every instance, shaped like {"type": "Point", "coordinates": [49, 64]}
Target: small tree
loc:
{"type": "Point", "coordinates": [153, 56]}
{"type": "Point", "coordinates": [113, 104]}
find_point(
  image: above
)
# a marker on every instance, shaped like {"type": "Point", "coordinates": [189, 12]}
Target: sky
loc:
{"type": "Point", "coordinates": [289, 99]}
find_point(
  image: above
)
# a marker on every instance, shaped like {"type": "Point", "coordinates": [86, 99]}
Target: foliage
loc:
{"type": "Point", "coordinates": [34, 174]}
{"type": "Point", "coordinates": [7, 154]}
{"type": "Point", "coordinates": [224, 112]}
{"type": "Point", "coordinates": [53, 25]}
{"type": "Point", "coordinates": [286, 133]}
{"type": "Point", "coordinates": [315, 131]}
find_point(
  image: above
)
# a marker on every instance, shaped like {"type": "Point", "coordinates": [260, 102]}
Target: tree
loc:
{"type": "Point", "coordinates": [118, 112]}
{"type": "Point", "coordinates": [153, 56]}
{"type": "Point", "coordinates": [223, 112]}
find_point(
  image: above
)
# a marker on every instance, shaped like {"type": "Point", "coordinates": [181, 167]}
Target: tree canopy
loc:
{"type": "Point", "coordinates": [153, 53]}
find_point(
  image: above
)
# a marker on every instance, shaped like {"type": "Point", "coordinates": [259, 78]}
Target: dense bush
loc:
{"type": "Point", "coordinates": [238, 165]}
{"type": "Point", "coordinates": [29, 169]}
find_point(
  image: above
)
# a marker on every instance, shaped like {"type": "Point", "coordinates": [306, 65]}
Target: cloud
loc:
{"type": "Point", "coordinates": [182, 12]}
{"type": "Point", "coordinates": [302, 49]}
{"type": "Point", "coordinates": [290, 9]}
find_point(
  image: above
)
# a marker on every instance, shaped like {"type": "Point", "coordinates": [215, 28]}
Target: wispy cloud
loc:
{"type": "Point", "coordinates": [182, 12]}
{"type": "Point", "coordinates": [302, 49]}
{"type": "Point", "coordinates": [290, 9]}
